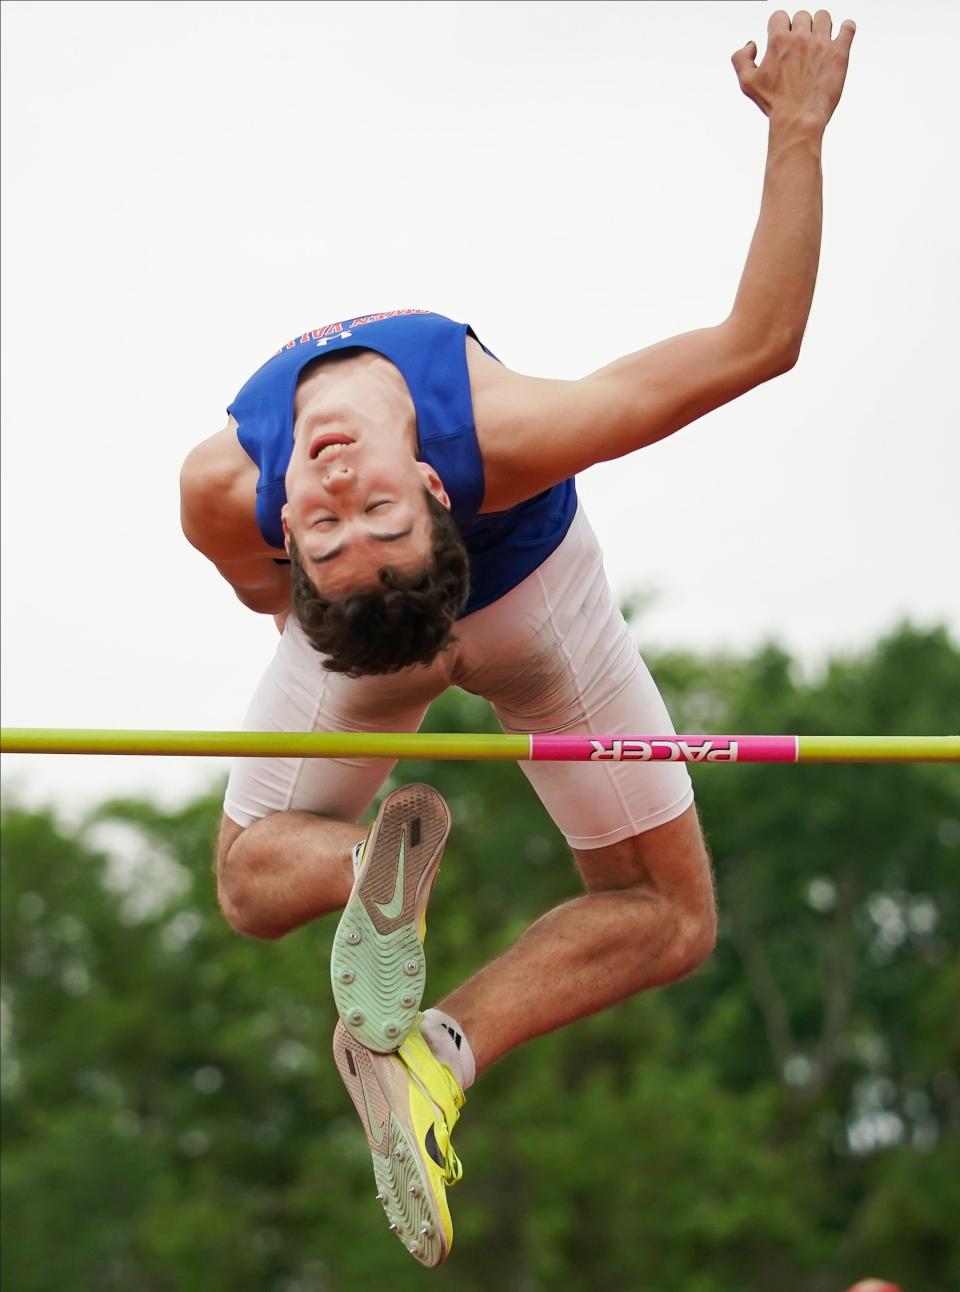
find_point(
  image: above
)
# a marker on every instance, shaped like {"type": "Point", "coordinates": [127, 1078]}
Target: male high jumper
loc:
{"type": "Point", "coordinates": [412, 501]}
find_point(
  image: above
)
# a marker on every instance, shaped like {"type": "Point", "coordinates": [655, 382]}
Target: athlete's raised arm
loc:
{"type": "Point", "coordinates": [535, 432]}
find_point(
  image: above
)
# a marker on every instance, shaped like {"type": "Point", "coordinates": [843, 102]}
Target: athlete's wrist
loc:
{"type": "Point", "coordinates": [790, 126]}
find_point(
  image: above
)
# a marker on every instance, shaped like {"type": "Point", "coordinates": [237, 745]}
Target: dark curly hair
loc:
{"type": "Point", "coordinates": [407, 620]}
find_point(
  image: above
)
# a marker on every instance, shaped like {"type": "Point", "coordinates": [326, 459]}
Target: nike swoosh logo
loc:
{"type": "Point", "coordinates": [377, 1135]}
{"type": "Point", "coordinates": [390, 910]}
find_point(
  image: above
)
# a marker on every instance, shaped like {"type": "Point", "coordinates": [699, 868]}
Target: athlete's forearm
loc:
{"type": "Point", "coordinates": [776, 290]}
{"type": "Point", "coordinates": [797, 86]}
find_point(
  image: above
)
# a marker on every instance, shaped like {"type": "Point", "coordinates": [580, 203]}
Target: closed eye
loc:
{"type": "Point", "coordinates": [380, 538]}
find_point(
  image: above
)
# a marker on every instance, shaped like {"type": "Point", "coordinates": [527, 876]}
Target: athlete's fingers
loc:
{"type": "Point", "coordinates": [743, 60]}
{"type": "Point", "coordinates": [801, 21]}
{"type": "Point", "coordinates": [779, 23]}
{"type": "Point", "coordinates": [822, 24]}
{"type": "Point", "coordinates": [848, 29]}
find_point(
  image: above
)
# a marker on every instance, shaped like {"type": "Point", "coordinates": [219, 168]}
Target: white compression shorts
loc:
{"type": "Point", "coordinates": [554, 654]}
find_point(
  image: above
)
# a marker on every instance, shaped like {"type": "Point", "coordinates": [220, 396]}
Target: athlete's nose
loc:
{"type": "Point", "coordinates": [339, 478]}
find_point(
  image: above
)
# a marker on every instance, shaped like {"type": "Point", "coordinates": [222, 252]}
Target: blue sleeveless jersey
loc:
{"type": "Point", "coordinates": [430, 353]}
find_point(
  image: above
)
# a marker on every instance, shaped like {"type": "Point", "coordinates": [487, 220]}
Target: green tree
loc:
{"type": "Point", "coordinates": [786, 1118]}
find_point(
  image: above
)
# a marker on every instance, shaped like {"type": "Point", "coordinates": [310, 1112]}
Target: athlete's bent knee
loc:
{"type": "Point", "coordinates": [234, 887]}
{"type": "Point", "coordinates": [697, 936]}
{"type": "Point", "coordinates": [668, 866]}
{"type": "Point", "coordinates": [696, 906]}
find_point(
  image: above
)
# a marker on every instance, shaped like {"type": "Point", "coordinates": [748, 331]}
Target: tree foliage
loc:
{"type": "Point", "coordinates": [787, 1118]}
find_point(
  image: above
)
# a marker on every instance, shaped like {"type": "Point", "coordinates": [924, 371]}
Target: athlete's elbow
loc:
{"type": "Point", "coordinates": [783, 350]}
{"type": "Point", "coordinates": [786, 357]}
{"type": "Point", "coordinates": [755, 359]}
{"type": "Point", "coordinates": [262, 601]}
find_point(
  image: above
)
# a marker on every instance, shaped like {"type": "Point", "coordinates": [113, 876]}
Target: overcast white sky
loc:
{"type": "Point", "coordinates": [187, 185]}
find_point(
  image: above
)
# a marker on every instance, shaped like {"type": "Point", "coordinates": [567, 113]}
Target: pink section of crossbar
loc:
{"type": "Point", "coordinates": [677, 749]}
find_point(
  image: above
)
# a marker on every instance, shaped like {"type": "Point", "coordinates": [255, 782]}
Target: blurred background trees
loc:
{"type": "Point", "coordinates": [786, 1120]}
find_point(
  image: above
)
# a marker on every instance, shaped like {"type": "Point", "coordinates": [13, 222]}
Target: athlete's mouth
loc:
{"type": "Point", "coordinates": [330, 445]}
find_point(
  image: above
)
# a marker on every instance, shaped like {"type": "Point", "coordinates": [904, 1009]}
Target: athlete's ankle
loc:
{"type": "Point", "coordinates": [447, 1041]}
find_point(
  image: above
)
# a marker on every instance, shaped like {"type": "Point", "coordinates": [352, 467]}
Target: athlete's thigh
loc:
{"type": "Point", "coordinates": [298, 694]}
{"type": "Point", "coordinates": [671, 859]}
{"type": "Point", "coordinates": [664, 872]}
{"type": "Point", "coordinates": [556, 655]}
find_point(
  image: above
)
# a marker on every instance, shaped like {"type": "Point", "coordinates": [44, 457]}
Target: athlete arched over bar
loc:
{"type": "Point", "coordinates": [391, 457]}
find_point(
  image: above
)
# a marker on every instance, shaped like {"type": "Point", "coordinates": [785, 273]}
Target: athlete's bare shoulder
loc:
{"type": "Point", "coordinates": [218, 485]}
{"type": "Point", "coordinates": [492, 390]}
{"type": "Point", "coordinates": [510, 438]}
{"type": "Point", "coordinates": [482, 367]}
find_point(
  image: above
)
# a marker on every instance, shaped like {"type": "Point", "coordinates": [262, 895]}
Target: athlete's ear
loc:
{"type": "Point", "coordinates": [286, 527]}
{"type": "Point", "coordinates": [433, 482]}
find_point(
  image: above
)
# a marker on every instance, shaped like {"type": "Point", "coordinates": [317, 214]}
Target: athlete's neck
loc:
{"type": "Point", "coordinates": [359, 388]}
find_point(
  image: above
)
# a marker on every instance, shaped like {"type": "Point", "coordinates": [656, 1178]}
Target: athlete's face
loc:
{"type": "Point", "coordinates": [355, 491]}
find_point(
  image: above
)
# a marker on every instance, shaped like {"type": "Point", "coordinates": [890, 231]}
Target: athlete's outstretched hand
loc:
{"type": "Point", "coordinates": [803, 70]}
